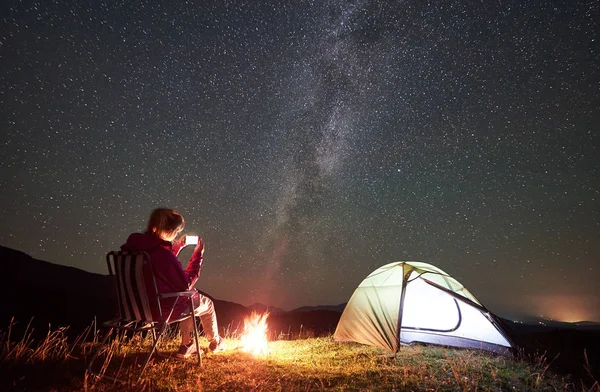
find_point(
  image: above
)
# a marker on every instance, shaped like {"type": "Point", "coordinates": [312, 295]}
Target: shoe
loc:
{"type": "Point", "coordinates": [217, 345]}
{"type": "Point", "coordinates": [185, 351]}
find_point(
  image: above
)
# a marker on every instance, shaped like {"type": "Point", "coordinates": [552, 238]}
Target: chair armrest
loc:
{"type": "Point", "coordinates": [178, 294]}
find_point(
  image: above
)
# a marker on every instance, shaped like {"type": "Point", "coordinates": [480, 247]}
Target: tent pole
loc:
{"type": "Point", "coordinates": [401, 309]}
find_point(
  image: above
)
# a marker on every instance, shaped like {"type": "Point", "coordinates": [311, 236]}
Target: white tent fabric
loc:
{"type": "Point", "coordinates": [406, 302]}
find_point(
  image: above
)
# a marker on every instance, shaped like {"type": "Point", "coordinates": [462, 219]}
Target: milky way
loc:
{"type": "Point", "coordinates": [312, 142]}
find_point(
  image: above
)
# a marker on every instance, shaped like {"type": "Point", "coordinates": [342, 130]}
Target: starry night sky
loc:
{"type": "Point", "coordinates": [310, 142]}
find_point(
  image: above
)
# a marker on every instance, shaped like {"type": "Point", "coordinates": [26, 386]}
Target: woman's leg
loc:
{"type": "Point", "coordinates": [187, 329]}
{"type": "Point", "coordinates": [205, 309]}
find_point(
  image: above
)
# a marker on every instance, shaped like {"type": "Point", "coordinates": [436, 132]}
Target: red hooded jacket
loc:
{"type": "Point", "coordinates": [169, 273]}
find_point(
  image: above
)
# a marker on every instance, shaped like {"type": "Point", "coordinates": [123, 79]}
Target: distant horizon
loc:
{"type": "Point", "coordinates": [509, 315]}
{"type": "Point", "coordinates": [517, 317]}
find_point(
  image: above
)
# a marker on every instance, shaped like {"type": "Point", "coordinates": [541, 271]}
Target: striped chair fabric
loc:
{"type": "Point", "coordinates": [133, 301]}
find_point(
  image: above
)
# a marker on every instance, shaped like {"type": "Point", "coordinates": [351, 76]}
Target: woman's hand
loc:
{"type": "Point", "coordinates": [200, 246]}
{"type": "Point", "coordinates": [179, 244]}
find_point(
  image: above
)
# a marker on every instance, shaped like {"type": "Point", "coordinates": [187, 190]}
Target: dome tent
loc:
{"type": "Point", "coordinates": [409, 301]}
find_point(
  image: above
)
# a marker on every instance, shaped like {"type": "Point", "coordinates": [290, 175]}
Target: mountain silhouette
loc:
{"type": "Point", "coordinates": [334, 308]}
{"type": "Point", "coordinates": [41, 293]}
{"type": "Point", "coordinates": [44, 293]}
{"type": "Point", "coordinates": [261, 308]}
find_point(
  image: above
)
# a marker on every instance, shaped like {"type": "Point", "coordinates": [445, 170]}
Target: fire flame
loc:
{"type": "Point", "coordinates": [254, 339]}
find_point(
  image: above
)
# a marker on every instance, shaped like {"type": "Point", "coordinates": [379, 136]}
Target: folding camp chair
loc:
{"type": "Point", "coordinates": [137, 294]}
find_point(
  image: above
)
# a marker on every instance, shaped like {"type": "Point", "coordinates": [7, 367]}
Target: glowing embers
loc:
{"type": "Point", "coordinates": [254, 338]}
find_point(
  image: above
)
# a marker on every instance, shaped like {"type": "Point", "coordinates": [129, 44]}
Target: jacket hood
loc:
{"type": "Point", "coordinates": [145, 242]}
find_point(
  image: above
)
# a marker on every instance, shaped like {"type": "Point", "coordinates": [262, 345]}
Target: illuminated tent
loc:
{"type": "Point", "coordinates": [407, 302]}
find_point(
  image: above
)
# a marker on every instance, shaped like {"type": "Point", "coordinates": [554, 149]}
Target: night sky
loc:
{"type": "Point", "coordinates": [311, 142]}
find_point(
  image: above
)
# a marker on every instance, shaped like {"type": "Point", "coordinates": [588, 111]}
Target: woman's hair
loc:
{"type": "Point", "coordinates": [165, 222]}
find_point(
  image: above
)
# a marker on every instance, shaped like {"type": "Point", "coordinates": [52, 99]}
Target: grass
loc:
{"type": "Point", "coordinates": [56, 363]}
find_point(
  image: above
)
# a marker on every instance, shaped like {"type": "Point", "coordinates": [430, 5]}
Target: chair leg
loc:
{"type": "Point", "coordinates": [161, 330]}
{"type": "Point", "coordinates": [154, 338]}
{"type": "Point", "coordinates": [153, 334]}
{"type": "Point", "coordinates": [195, 326]}
{"type": "Point", "coordinates": [194, 321]}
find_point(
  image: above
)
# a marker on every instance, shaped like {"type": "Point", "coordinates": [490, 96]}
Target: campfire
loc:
{"type": "Point", "coordinates": [254, 338]}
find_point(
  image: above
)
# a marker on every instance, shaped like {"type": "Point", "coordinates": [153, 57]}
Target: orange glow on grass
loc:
{"type": "Point", "coordinates": [254, 338]}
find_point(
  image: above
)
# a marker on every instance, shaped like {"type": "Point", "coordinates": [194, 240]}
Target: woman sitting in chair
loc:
{"type": "Point", "coordinates": [159, 242]}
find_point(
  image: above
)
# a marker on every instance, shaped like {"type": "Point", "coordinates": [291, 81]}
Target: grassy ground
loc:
{"type": "Point", "coordinates": [310, 364]}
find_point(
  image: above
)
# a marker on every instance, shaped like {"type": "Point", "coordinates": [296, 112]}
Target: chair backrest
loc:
{"type": "Point", "coordinates": [135, 285]}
